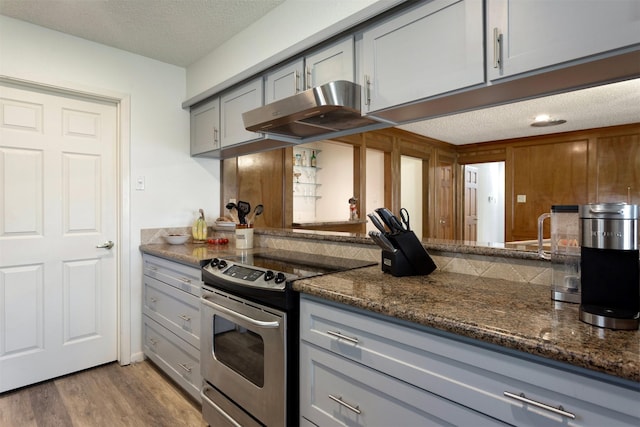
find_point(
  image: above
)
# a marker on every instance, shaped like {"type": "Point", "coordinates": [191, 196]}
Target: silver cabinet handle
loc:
{"type": "Point", "coordinates": [296, 82]}
{"type": "Point", "coordinates": [184, 280]}
{"type": "Point", "coordinates": [343, 337]}
{"type": "Point", "coordinates": [367, 88]}
{"type": "Point", "coordinates": [522, 398]}
{"type": "Point", "coordinates": [153, 342]}
{"type": "Point", "coordinates": [308, 85]}
{"type": "Point", "coordinates": [497, 48]}
{"type": "Point", "coordinates": [153, 300]}
{"type": "Point", "coordinates": [185, 367]}
{"type": "Point", "coordinates": [185, 318]}
{"type": "Point", "coordinates": [106, 245]}
{"type": "Point", "coordinates": [215, 137]}
{"type": "Point", "coordinates": [339, 400]}
{"type": "Point", "coordinates": [152, 268]}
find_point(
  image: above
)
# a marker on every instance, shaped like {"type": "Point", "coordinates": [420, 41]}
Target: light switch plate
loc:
{"type": "Point", "coordinates": [521, 198]}
{"type": "Point", "coordinates": [140, 183]}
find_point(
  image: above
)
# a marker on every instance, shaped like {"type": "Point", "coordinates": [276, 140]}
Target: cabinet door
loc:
{"type": "Point", "coordinates": [205, 128]}
{"type": "Point", "coordinates": [233, 104]}
{"type": "Point", "coordinates": [429, 50]}
{"type": "Point", "coordinates": [540, 33]}
{"type": "Point", "coordinates": [284, 82]}
{"type": "Point", "coordinates": [335, 62]}
{"type": "Point", "coordinates": [175, 357]}
{"type": "Point", "coordinates": [337, 392]}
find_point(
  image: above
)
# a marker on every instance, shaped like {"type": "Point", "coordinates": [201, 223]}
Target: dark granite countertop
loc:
{"type": "Point", "coordinates": [514, 315]}
{"type": "Point", "coordinates": [189, 253]}
{"type": "Point", "coordinates": [506, 250]}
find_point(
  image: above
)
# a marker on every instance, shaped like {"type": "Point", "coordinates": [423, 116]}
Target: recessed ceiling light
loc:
{"type": "Point", "coordinates": [544, 120]}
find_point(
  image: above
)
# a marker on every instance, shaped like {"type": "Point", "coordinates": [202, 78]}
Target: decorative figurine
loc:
{"type": "Point", "coordinates": [353, 209]}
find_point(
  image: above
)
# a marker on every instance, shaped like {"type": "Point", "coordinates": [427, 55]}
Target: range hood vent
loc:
{"type": "Point", "coordinates": [332, 107]}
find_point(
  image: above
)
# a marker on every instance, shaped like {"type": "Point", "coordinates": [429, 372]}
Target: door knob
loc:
{"type": "Point", "coordinates": [106, 245]}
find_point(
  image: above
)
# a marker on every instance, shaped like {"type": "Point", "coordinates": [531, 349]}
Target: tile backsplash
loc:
{"type": "Point", "coordinates": [490, 266]}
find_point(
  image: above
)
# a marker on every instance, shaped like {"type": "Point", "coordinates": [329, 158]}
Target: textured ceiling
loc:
{"type": "Point", "coordinates": [182, 31]}
{"type": "Point", "coordinates": [609, 105]}
{"type": "Point", "coordinates": [174, 31]}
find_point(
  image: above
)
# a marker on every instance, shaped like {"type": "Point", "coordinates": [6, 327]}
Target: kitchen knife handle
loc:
{"type": "Point", "coordinates": [376, 222]}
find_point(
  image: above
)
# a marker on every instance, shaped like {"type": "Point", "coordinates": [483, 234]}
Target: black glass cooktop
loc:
{"type": "Point", "coordinates": [297, 263]}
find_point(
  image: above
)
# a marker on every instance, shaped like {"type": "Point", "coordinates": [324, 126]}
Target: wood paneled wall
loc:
{"type": "Point", "coordinates": [596, 165]}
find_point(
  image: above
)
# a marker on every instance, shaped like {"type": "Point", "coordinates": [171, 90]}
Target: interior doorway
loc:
{"type": "Point", "coordinates": [484, 208]}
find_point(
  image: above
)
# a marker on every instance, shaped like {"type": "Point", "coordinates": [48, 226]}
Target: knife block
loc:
{"type": "Point", "coordinates": [410, 258]}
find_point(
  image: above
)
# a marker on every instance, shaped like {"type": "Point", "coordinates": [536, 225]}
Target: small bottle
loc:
{"type": "Point", "coordinates": [298, 160]}
{"type": "Point", "coordinates": [313, 159]}
{"type": "Point", "coordinates": [304, 158]}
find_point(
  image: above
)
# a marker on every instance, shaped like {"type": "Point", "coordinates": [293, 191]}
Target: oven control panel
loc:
{"type": "Point", "coordinates": [227, 271]}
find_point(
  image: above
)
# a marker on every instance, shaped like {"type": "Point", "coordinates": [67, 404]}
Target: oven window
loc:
{"type": "Point", "coordinates": [240, 349]}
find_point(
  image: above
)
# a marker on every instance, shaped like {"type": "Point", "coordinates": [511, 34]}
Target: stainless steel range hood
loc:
{"type": "Point", "coordinates": [324, 110]}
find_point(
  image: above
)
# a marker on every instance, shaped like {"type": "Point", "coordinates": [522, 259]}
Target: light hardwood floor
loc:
{"type": "Point", "coordinates": [109, 395]}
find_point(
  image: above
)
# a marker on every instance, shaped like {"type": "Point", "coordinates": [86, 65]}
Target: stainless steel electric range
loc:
{"type": "Point", "coordinates": [250, 328]}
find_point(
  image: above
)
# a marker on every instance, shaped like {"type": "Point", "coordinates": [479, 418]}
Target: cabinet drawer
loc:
{"type": "Point", "coordinates": [180, 276]}
{"type": "Point", "coordinates": [341, 392]}
{"type": "Point", "coordinates": [174, 309]}
{"type": "Point", "coordinates": [471, 375]}
{"type": "Point", "coordinates": [177, 358]}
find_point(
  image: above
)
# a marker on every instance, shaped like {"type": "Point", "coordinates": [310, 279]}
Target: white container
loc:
{"type": "Point", "coordinates": [244, 236]}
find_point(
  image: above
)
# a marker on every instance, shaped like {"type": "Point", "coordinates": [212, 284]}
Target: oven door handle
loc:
{"type": "Point", "coordinates": [217, 408]}
{"type": "Point", "coordinates": [253, 322]}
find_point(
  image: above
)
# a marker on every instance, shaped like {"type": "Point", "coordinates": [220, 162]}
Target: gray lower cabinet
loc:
{"type": "Point", "coordinates": [171, 320]}
{"type": "Point", "coordinates": [357, 369]}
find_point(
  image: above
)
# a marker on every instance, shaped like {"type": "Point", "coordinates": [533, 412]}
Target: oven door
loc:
{"type": "Point", "coordinates": [243, 350]}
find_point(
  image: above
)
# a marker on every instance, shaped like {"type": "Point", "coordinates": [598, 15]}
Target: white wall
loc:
{"type": "Point", "coordinates": [287, 30]}
{"type": "Point", "coordinates": [490, 202]}
{"type": "Point", "coordinates": [176, 184]}
{"type": "Point", "coordinates": [411, 191]}
{"type": "Point", "coordinates": [374, 184]}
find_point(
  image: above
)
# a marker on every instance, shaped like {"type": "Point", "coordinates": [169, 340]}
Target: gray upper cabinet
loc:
{"type": "Point", "coordinates": [232, 105]}
{"type": "Point", "coordinates": [205, 129]}
{"type": "Point", "coordinates": [525, 35]}
{"type": "Point", "coordinates": [334, 62]}
{"type": "Point", "coordinates": [284, 82]}
{"type": "Point", "coordinates": [428, 50]}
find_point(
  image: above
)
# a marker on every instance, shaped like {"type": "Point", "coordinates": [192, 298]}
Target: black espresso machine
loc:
{"type": "Point", "coordinates": [610, 265]}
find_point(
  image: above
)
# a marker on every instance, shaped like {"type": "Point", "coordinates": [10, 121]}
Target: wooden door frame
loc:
{"type": "Point", "coordinates": [123, 203]}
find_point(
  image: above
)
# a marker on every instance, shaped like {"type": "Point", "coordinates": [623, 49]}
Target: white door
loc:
{"type": "Point", "coordinates": [58, 290]}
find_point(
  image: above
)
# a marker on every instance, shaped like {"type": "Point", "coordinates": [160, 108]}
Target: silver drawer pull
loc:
{"type": "Point", "coordinates": [339, 400]}
{"type": "Point", "coordinates": [185, 280]}
{"type": "Point", "coordinates": [185, 318]}
{"type": "Point", "coordinates": [344, 337]}
{"type": "Point", "coordinates": [153, 300]}
{"type": "Point", "coordinates": [153, 342]}
{"type": "Point", "coordinates": [185, 367]}
{"type": "Point", "coordinates": [522, 398]}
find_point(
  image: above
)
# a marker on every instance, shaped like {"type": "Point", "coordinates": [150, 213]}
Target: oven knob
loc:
{"type": "Point", "coordinates": [280, 277]}
{"type": "Point", "coordinates": [222, 264]}
{"type": "Point", "coordinates": [268, 275]}
{"type": "Point", "coordinates": [214, 262]}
